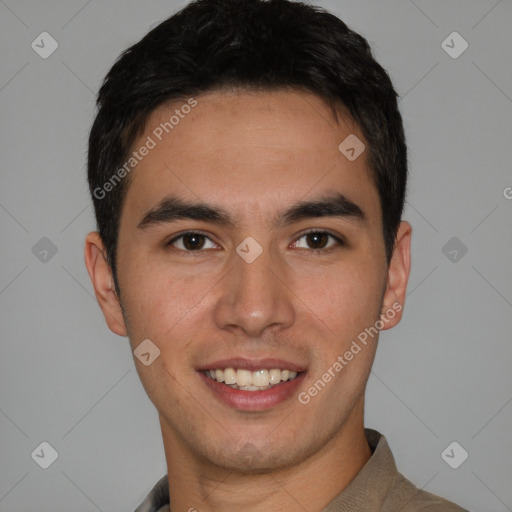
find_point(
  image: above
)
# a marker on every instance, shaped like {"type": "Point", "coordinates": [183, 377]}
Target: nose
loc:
{"type": "Point", "coordinates": [254, 297]}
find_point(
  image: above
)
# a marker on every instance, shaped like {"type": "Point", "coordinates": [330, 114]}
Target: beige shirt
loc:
{"type": "Point", "coordinates": [378, 487]}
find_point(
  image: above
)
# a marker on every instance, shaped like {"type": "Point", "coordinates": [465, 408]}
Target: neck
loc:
{"type": "Point", "coordinates": [311, 484]}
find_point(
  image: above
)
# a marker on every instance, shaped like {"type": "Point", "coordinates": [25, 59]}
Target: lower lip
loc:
{"type": "Point", "coordinates": [254, 400]}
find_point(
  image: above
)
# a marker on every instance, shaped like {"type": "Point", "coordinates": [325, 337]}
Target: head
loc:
{"type": "Point", "coordinates": [241, 108]}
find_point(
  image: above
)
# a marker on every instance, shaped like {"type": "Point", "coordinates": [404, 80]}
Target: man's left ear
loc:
{"type": "Point", "coordinates": [398, 276]}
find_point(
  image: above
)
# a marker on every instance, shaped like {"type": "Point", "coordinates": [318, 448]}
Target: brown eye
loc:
{"type": "Point", "coordinates": [191, 242]}
{"type": "Point", "coordinates": [318, 240]}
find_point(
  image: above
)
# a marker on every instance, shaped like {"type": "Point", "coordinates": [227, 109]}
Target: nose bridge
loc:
{"type": "Point", "coordinates": [254, 296]}
{"type": "Point", "coordinates": [255, 278]}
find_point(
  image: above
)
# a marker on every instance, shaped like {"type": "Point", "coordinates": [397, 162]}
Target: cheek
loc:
{"type": "Point", "coordinates": [346, 306]}
{"type": "Point", "coordinates": [146, 292]}
{"type": "Point", "coordinates": [164, 304]}
{"type": "Point", "coordinates": [346, 298]}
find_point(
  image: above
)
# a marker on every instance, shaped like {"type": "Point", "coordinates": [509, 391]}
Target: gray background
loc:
{"type": "Point", "coordinates": [442, 375]}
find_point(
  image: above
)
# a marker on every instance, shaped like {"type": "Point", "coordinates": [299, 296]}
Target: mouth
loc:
{"type": "Point", "coordinates": [252, 385]}
{"type": "Point", "coordinates": [246, 380]}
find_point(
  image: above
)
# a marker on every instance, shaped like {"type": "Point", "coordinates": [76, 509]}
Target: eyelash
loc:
{"type": "Point", "coordinates": [340, 242]}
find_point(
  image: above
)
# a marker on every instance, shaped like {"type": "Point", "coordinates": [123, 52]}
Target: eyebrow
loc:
{"type": "Point", "coordinates": [173, 208]}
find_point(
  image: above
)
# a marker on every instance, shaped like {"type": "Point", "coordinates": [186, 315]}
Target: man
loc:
{"type": "Point", "coordinates": [248, 170]}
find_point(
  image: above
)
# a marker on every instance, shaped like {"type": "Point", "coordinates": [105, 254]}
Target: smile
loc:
{"type": "Point", "coordinates": [246, 380]}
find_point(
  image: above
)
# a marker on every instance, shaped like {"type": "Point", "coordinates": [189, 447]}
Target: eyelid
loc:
{"type": "Point", "coordinates": [334, 234]}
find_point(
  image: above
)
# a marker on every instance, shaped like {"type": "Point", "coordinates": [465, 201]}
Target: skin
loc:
{"type": "Point", "coordinates": [253, 154]}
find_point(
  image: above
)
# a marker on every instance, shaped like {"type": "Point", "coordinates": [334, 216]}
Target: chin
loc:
{"type": "Point", "coordinates": [251, 458]}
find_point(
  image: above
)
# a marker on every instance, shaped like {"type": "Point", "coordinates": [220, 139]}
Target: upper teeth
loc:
{"type": "Point", "coordinates": [251, 380]}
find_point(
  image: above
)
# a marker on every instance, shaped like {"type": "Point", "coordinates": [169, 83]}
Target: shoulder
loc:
{"type": "Point", "coordinates": [413, 499]}
{"type": "Point", "coordinates": [398, 493]}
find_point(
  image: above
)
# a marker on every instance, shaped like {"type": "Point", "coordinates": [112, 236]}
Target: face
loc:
{"type": "Point", "coordinates": [252, 247]}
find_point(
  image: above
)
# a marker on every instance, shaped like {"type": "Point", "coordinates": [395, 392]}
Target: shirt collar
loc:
{"type": "Point", "coordinates": [368, 490]}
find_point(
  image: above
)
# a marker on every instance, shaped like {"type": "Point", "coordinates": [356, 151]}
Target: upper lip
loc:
{"type": "Point", "coordinates": [252, 365]}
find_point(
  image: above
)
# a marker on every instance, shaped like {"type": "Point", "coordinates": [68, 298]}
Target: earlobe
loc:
{"type": "Point", "coordinates": [102, 280]}
{"type": "Point", "coordinates": [398, 276]}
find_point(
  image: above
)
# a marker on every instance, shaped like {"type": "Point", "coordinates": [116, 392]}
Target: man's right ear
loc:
{"type": "Point", "coordinates": [103, 283]}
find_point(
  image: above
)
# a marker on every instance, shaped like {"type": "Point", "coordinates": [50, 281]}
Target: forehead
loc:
{"type": "Point", "coordinates": [249, 150]}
